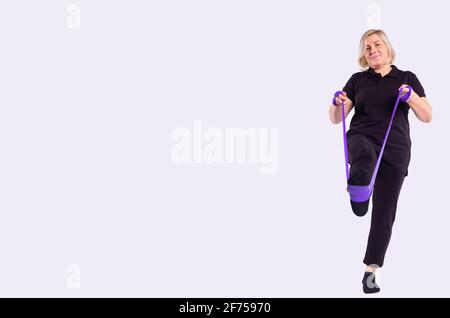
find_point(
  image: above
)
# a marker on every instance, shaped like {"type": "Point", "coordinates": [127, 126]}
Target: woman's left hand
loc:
{"type": "Point", "coordinates": [405, 89]}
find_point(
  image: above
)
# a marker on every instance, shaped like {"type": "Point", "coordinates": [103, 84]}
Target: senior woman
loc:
{"type": "Point", "coordinates": [373, 93]}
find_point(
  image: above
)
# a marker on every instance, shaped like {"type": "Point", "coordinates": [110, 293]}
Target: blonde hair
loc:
{"type": "Point", "coordinates": [362, 47]}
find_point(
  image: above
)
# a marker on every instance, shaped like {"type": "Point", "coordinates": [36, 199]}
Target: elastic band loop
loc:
{"type": "Point", "coordinates": [334, 98]}
{"type": "Point", "coordinates": [407, 96]}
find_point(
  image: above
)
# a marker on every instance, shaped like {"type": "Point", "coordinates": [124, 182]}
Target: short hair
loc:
{"type": "Point", "coordinates": [362, 59]}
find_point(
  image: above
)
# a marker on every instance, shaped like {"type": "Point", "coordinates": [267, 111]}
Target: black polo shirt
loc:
{"type": "Point", "coordinates": [374, 99]}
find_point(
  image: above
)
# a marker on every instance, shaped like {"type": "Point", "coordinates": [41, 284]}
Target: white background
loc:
{"type": "Point", "coordinates": [91, 204]}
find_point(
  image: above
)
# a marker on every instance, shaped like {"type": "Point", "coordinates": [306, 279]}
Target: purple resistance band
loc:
{"type": "Point", "coordinates": [363, 193]}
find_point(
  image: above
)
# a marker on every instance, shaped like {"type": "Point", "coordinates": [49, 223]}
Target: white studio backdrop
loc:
{"type": "Point", "coordinates": [118, 172]}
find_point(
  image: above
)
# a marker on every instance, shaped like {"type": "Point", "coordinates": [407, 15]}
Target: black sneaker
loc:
{"type": "Point", "coordinates": [369, 284]}
{"type": "Point", "coordinates": [360, 208]}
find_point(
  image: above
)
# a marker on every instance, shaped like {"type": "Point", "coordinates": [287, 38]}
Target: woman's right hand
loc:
{"type": "Point", "coordinates": [341, 98]}
{"type": "Point", "coordinates": [334, 112]}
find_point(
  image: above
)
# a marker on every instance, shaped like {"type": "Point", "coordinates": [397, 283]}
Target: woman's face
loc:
{"type": "Point", "coordinates": [376, 52]}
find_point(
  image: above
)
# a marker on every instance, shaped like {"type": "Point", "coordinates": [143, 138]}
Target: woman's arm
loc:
{"type": "Point", "coordinates": [419, 105]}
{"type": "Point", "coordinates": [335, 112]}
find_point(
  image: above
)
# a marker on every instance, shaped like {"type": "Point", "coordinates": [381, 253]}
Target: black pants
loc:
{"type": "Point", "coordinates": [388, 183]}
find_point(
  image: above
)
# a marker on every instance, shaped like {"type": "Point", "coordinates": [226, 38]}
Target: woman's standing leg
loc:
{"type": "Point", "coordinates": [386, 192]}
{"type": "Point", "coordinates": [387, 188]}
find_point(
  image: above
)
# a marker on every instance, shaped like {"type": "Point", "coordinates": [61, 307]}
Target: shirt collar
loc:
{"type": "Point", "coordinates": [394, 73]}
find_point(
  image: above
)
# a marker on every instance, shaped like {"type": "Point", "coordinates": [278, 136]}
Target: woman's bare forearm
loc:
{"type": "Point", "coordinates": [335, 112]}
{"type": "Point", "coordinates": [421, 108]}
